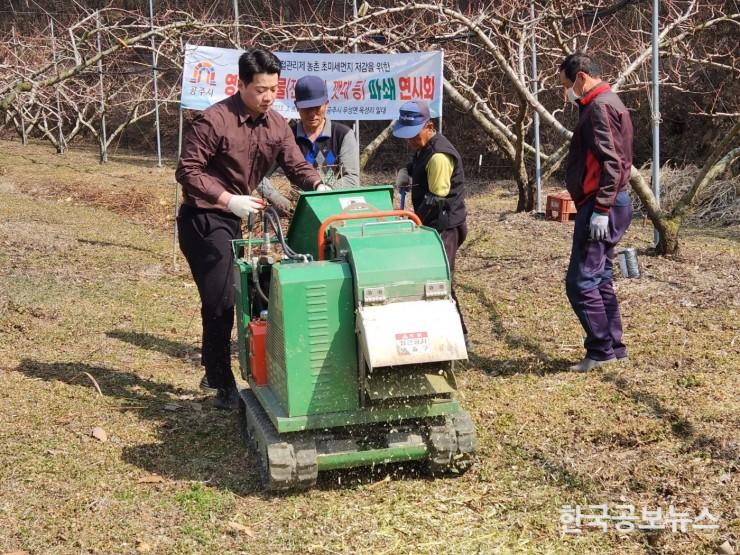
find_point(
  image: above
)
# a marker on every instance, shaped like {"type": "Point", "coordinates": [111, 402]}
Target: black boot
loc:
{"type": "Point", "coordinates": [226, 399]}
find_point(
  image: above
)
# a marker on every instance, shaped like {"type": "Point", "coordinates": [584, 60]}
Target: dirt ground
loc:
{"type": "Point", "coordinates": [99, 332]}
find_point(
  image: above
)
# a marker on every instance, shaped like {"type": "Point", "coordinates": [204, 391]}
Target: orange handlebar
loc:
{"type": "Point", "coordinates": [360, 216]}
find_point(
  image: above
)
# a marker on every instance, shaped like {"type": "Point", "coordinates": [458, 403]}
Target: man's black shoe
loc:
{"type": "Point", "coordinates": [226, 399]}
{"type": "Point", "coordinates": [204, 383]}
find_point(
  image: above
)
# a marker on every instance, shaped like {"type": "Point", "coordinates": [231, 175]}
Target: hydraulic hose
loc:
{"type": "Point", "coordinates": [274, 219]}
{"type": "Point", "coordinates": [257, 285]}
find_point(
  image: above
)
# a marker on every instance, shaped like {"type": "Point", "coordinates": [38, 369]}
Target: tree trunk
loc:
{"type": "Point", "coordinates": [718, 161]}
{"type": "Point", "coordinates": [525, 203]}
{"type": "Point", "coordinates": [369, 151]}
{"type": "Point", "coordinates": [667, 227]}
{"type": "Point", "coordinates": [668, 243]}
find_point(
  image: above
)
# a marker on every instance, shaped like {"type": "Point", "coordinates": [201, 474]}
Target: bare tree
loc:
{"type": "Point", "coordinates": [486, 68]}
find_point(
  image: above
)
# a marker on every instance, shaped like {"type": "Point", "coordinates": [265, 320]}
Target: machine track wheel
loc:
{"type": "Point", "coordinates": [451, 444]}
{"type": "Point", "coordinates": [244, 432]}
{"type": "Point", "coordinates": [285, 462]}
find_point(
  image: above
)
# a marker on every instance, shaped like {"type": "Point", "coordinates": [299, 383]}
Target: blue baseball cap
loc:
{"type": "Point", "coordinates": [412, 118]}
{"type": "Point", "coordinates": [310, 91]}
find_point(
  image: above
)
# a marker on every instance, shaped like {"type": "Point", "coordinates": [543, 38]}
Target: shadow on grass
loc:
{"type": "Point", "coordinates": [681, 427]}
{"type": "Point", "coordinates": [175, 349]}
{"type": "Point", "coordinates": [503, 366]}
{"type": "Point", "coordinates": [151, 342]}
{"type": "Point", "coordinates": [112, 244]}
{"type": "Point", "coordinates": [715, 232]}
{"type": "Point", "coordinates": [138, 160]}
{"type": "Point", "coordinates": [193, 442]}
{"type": "Point", "coordinates": [202, 445]}
{"type": "Point", "coordinates": [510, 261]}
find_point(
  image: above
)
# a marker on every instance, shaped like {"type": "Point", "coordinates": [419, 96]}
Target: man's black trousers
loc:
{"type": "Point", "coordinates": [205, 240]}
{"type": "Point", "coordinates": [452, 239]}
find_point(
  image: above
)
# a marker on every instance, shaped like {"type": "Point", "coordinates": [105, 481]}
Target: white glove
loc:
{"type": "Point", "coordinates": [321, 187]}
{"type": "Point", "coordinates": [402, 178]}
{"type": "Point", "coordinates": [244, 205]}
{"type": "Point", "coordinates": [599, 227]}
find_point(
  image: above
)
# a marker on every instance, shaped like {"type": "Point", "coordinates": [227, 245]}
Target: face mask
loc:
{"type": "Point", "coordinates": [570, 93]}
{"type": "Point", "coordinates": [572, 96]}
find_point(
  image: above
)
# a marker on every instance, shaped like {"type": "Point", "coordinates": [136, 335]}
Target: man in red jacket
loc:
{"type": "Point", "coordinates": [597, 177]}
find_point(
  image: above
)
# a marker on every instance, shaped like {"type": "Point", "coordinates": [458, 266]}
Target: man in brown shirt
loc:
{"type": "Point", "coordinates": [228, 150]}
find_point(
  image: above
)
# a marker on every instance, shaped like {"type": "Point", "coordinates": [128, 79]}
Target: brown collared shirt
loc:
{"type": "Point", "coordinates": [227, 150]}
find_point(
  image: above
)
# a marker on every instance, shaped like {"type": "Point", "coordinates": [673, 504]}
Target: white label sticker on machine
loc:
{"type": "Point", "coordinates": [410, 332]}
{"type": "Point", "coordinates": [413, 343]}
{"type": "Point", "coordinates": [349, 201]}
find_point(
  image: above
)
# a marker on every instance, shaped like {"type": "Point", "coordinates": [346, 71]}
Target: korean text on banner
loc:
{"type": "Point", "coordinates": [360, 86]}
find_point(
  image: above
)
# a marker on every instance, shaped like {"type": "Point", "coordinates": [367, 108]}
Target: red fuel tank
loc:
{"type": "Point", "coordinates": [257, 361]}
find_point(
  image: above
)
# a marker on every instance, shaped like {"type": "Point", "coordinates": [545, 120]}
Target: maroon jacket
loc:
{"type": "Point", "coordinates": [600, 156]}
{"type": "Point", "coordinates": [227, 150]}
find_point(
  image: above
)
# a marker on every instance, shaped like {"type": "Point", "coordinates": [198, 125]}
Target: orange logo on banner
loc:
{"type": "Point", "coordinates": [202, 68]}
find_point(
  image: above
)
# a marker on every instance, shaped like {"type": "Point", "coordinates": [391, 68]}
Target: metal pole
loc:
{"type": "Point", "coordinates": [357, 122]}
{"type": "Point", "coordinates": [103, 133]}
{"type": "Point", "coordinates": [236, 22]}
{"type": "Point", "coordinates": [535, 90]}
{"type": "Point", "coordinates": [656, 114]}
{"type": "Point", "coordinates": [24, 138]}
{"type": "Point", "coordinates": [60, 146]}
{"type": "Point", "coordinates": [177, 193]}
{"type": "Point", "coordinates": [441, 92]}
{"type": "Point", "coordinates": [156, 92]}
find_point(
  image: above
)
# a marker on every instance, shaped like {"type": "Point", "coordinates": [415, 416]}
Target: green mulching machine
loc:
{"type": "Point", "coordinates": [348, 343]}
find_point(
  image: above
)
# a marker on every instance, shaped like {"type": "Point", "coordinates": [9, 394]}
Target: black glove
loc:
{"type": "Point", "coordinates": [432, 200]}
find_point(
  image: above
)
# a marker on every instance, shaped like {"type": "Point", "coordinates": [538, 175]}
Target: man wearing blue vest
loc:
{"type": "Point", "coordinates": [329, 146]}
{"type": "Point", "coordinates": [435, 176]}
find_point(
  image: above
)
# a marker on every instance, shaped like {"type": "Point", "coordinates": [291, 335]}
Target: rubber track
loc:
{"type": "Point", "coordinates": [451, 444]}
{"type": "Point", "coordinates": [284, 462]}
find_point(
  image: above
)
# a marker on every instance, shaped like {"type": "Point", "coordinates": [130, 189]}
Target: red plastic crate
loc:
{"type": "Point", "coordinates": [560, 207]}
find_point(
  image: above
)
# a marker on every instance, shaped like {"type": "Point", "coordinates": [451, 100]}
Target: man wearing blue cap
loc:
{"type": "Point", "coordinates": [328, 146]}
{"type": "Point", "coordinates": [435, 175]}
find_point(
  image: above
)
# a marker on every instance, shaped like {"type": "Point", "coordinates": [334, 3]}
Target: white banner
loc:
{"type": "Point", "coordinates": [360, 86]}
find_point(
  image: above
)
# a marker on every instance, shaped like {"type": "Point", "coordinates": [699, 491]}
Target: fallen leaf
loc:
{"type": "Point", "coordinates": [100, 434]}
{"type": "Point", "coordinates": [383, 481]}
{"type": "Point", "coordinates": [143, 547]}
{"type": "Point", "coordinates": [240, 528]}
{"type": "Point", "coordinates": [151, 479]}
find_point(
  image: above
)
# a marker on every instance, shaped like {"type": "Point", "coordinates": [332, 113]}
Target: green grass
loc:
{"type": "Point", "coordinates": [87, 290]}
